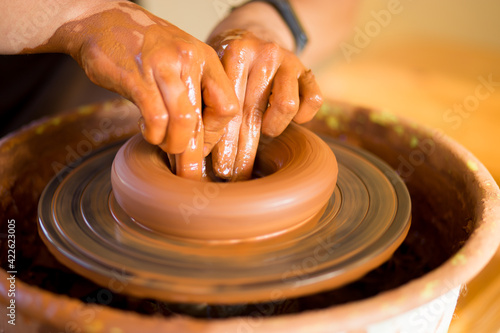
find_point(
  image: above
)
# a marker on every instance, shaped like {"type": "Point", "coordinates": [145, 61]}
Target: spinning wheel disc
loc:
{"type": "Point", "coordinates": [364, 222]}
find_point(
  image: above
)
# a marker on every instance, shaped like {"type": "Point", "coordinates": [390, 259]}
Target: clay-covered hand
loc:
{"type": "Point", "coordinates": [177, 81]}
{"type": "Point", "coordinates": [273, 88]}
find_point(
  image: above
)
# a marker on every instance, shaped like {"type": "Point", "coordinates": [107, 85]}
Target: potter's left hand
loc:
{"type": "Point", "coordinates": [273, 88]}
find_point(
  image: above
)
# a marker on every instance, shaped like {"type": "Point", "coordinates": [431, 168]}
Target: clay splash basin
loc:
{"type": "Point", "coordinates": [455, 231]}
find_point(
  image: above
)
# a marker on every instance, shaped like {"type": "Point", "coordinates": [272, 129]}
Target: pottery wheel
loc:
{"type": "Point", "coordinates": [365, 220]}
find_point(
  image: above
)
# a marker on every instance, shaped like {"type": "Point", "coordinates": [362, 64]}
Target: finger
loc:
{"type": "Point", "coordinates": [220, 102]}
{"type": "Point", "coordinates": [153, 123]}
{"type": "Point", "coordinates": [224, 152]}
{"type": "Point", "coordinates": [256, 100]}
{"type": "Point", "coordinates": [248, 144]}
{"type": "Point", "coordinates": [311, 98]}
{"type": "Point", "coordinates": [189, 163]}
{"type": "Point", "coordinates": [182, 119]}
{"type": "Point", "coordinates": [283, 102]}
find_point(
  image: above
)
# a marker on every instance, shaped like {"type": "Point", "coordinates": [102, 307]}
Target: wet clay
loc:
{"type": "Point", "coordinates": [192, 103]}
{"type": "Point", "coordinates": [162, 69]}
{"type": "Point", "coordinates": [359, 228]}
{"type": "Point", "coordinates": [453, 235]}
{"type": "Point", "coordinates": [273, 87]}
{"type": "Point", "coordinates": [301, 175]}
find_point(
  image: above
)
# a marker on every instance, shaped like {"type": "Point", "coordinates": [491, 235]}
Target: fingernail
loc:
{"type": "Point", "coordinates": [206, 150]}
{"type": "Point", "coordinates": [142, 124]}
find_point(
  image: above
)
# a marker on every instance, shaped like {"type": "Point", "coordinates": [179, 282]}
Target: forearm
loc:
{"type": "Point", "coordinates": [326, 23]}
{"type": "Point", "coordinates": [29, 25]}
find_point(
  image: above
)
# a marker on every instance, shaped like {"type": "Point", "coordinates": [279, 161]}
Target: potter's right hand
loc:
{"type": "Point", "coordinates": [274, 88]}
{"type": "Point", "coordinates": [163, 70]}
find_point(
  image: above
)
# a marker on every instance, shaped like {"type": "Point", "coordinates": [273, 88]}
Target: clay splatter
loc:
{"type": "Point", "coordinates": [40, 129]}
{"type": "Point", "coordinates": [332, 122]}
{"type": "Point", "coordinates": [399, 130]}
{"type": "Point", "coordinates": [86, 109]}
{"type": "Point", "coordinates": [413, 141]}
{"type": "Point", "coordinates": [115, 330]}
{"type": "Point", "coordinates": [55, 121]}
{"type": "Point", "coordinates": [459, 259]}
{"type": "Point", "coordinates": [472, 165]}
{"type": "Point", "coordinates": [383, 118]}
{"type": "Point", "coordinates": [428, 291]}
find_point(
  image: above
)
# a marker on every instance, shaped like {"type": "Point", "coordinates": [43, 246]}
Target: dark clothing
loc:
{"type": "Point", "coordinates": [33, 86]}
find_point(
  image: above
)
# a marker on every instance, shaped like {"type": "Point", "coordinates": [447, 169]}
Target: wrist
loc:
{"type": "Point", "coordinates": [262, 20]}
{"type": "Point", "coordinates": [57, 37]}
{"type": "Point", "coordinates": [287, 12]}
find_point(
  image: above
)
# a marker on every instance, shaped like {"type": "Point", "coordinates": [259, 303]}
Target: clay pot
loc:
{"type": "Point", "coordinates": [455, 230]}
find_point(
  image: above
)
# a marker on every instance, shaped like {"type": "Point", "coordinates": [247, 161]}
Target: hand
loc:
{"type": "Point", "coordinates": [273, 88]}
{"type": "Point", "coordinates": [164, 71]}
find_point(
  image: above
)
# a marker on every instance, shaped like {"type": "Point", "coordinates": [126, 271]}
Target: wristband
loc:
{"type": "Point", "coordinates": [292, 21]}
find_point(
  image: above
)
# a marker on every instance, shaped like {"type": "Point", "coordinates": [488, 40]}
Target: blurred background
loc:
{"type": "Point", "coordinates": [435, 62]}
{"type": "Point", "coordinates": [423, 62]}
